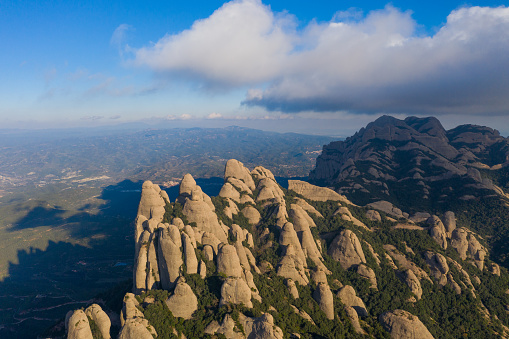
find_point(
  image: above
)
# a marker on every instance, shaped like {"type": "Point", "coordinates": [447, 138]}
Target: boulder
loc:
{"type": "Point", "coordinates": [261, 172]}
{"type": "Point", "coordinates": [78, 326]}
{"type": "Point", "coordinates": [251, 214]}
{"type": "Point", "coordinates": [187, 184]}
{"type": "Point", "coordinates": [211, 240]}
{"type": "Point", "coordinates": [182, 303]}
{"type": "Point", "coordinates": [228, 262]}
{"type": "Point", "coordinates": [269, 190]}
{"type": "Point", "coordinates": [100, 318]}
{"type": "Point", "coordinates": [227, 328]}
{"type": "Point", "coordinates": [323, 296]}
{"type": "Point", "coordinates": [235, 291]}
{"type": "Point", "coordinates": [348, 297]}
{"type": "Point", "coordinates": [236, 169]}
{"type": "Point", "coordinates": [347, 249]}
{"type": "Point", "coordinates": [404, 325]}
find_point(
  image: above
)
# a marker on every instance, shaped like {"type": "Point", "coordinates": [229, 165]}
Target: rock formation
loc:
{"type": "Point", "coordinates": [464, 241]}
{"type": "Point", "coordinates": [402, 325]}
{"type": "Point", "coordinates": [183, 302]}
{"type": "Point", "coordinates": [323, 297]}
{"type": "Point", "coordinates": [78, 326]}
{"type": "Point", "coordinates": [347, 249]}
{"type": "Point", "coordinates": [348, 297]}
{"type": "Point", "coordinates": [100, 318]}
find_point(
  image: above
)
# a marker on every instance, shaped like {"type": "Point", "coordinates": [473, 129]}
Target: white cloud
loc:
{"type": "Point", "coordinates": [214, 115]}
{"type": "Point", "coordinates": [242, 42]}
{"type": "Point", "coordinates": [373, 63]}
{"type": "Point", "coordinates": [119, 36]}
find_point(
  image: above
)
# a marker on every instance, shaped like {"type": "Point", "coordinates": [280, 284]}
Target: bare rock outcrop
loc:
{"type": "Point", "coordinates": [182, 303]}
{"type": "Point", "coordinates": [449, 222]}
{"type": "Point", "coordinates": [198, 210]}
{"type": "Point", "coordinates": [347, 249]}
{"type": "Point", "coordinates": [348, 297]}
{"type": "Point", "coordinates": [292, 267]}
{"type": "Point", "coordinates": [302, 225]}
{"type": "Point", "coordinates": [189, 255]}
{"type": "Point", "coordinates": [236, 169]}
{"type": "Point", "coordinates": [438, 266]}
{"type": "Point", "coordinates": [367, 273]}
{"type": "Point", "coordinates": [404, 325]}
{"type": "Point", "coordinates": [404, 263]}
{"type": "Point", "coordinates": [468, 247]}
{"type": "Point", "coordinates": [315, 193]}
{"type": "Point", "coordinates": [352, 315]}
{"type": "Point", "coordinates": [101, 319]}
{"type": "Point", "coordinates": [307, 207]}
{"type": "Point", "coordinates": [151, 203]}
{"type": "Point", "coordinates": [229, 192]}
{"type": "Point", "coordinates": [78, 326]}
{"type": "Point", "coordinates": [411, 280]}
{"type": "Point", "coordinates": [170, 258]}
{"type": "Point", "coordinates": [323, 296]}
{"type": "Point", "coordinates": [228, 262]}
{"type": "Point", "coordinates": [346, 215]}
{"type": "Point", "coordinates": [288, 237]}
{"type": "Point", "coordinates": [134, 324]}
{"type": "Point", "coordinates": [235, 291]}
{"type": "Point", "coordinates": [251, 214]}
{"type": "Point", "coordinates": [262, 327]}
{"type": "Point", "coordinates": [437, 231]}
{"type": "Point", "coordinates": [388, 208]}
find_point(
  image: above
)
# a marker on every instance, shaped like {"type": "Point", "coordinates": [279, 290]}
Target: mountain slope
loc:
{"type": "Point", "coordinates": [419, 166]}
{"type": "Point", "coordinates": [263, 261]}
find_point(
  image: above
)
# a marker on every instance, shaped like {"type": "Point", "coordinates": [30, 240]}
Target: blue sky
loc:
{"type": "Point", "coordinates": [321, 67]}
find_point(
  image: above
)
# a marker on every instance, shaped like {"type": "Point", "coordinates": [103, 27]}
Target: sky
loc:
{"type": "Point", "coordinates": [321, 67]}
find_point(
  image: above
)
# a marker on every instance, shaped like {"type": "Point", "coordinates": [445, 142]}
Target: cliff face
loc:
{"type": "Point", "coordinates": [414, 159]}
{"type": "Point", "coordinates": [261, 261]}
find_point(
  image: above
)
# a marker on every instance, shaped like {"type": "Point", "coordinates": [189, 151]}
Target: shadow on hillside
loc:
{"type": "Point", "coordinates": [45, 284]}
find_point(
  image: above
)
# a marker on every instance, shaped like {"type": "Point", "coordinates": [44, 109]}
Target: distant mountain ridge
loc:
{"type": "Point", "coordinates": [391, 154]}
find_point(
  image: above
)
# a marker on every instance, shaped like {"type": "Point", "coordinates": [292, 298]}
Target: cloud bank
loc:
{"type": "Point", "coordinates": [375, 63]}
